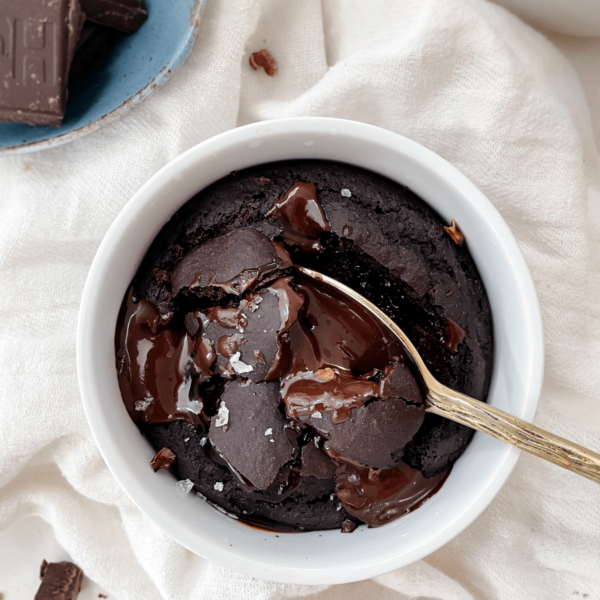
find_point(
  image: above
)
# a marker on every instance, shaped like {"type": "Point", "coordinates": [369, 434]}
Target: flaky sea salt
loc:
{"type": "Point", "coordinates": [222, 416]}
{"type": "Point", "coordinates": [219, 486]}
{"type": "Point", "coordinates": [238, 366]}
{"type": "Point", "coordinates": [184, 487]}
{"type": "Point", "coordinates": [317, 415]}
{"type": "Point", "coordinates": [142, 405]}
{"type": "Point", "coordinates": [269, 431]}
{"type": "Point", "coordinates": [346, 193]}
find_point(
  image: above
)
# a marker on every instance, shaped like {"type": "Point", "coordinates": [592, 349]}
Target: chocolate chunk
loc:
{"type": "Point", "coordinates": [124, 15]}
{"type": "Point", "coordinates": [255, 444]}
{"type": "Point", "coordinates": [37, 42]}
{"type": "Point", "coordinates": [342, 408]}
{"type": "Point", "coordinates": [60, 581]}
{"type": "Point", "coordinates": [302, 216]}
{"type": "Point", "coordinates": [348, 526]}
{"type": "Point", "coordinates": [326, 392]}
{"type": "Point", "coordinates": [263, 59]}
{"type": "Point", "coordinates": [258, 340]}
{"type": "Point", "coordinates": [163, 459]}
{"type": "Point", "coordinates": [234, 262]}
{"type": "Point", "coordinates": [376, 434]}
{"type": "Point", "coordinates": [316, 463]}
{"type": "Point", "coordinates": [455, 233]}
{"type": "Point", "coordinates": [399, 382]}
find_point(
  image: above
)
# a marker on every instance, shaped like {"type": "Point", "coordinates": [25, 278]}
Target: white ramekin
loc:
{"type": "Point", "coordinates": [325, 556]}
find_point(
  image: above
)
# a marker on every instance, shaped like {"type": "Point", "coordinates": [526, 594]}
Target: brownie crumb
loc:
{"type": "Point", "coordinates": [162, 276]}
{"type": "Point", "coordinates": [455, 233]}
{"type": "Point", "coordinates": [163, 459]}
{"type": "Point", "coordinates": [263, 59]}
{"type": "Point", "coordinates": [348, 526]}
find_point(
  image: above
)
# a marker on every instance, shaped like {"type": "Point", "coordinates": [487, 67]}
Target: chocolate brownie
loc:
{"type": "Point", "coordinates": [283, 404]}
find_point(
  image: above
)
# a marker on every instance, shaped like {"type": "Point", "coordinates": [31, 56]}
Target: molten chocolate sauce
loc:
{"type": "Point", "coordinates": [302, 217]}
{"type": "Point", "coordinates": [154, 365]}
{"type": "Point", "coordinates": [378, 496]}
{"type": "Point", "coordinates": [454, 334]}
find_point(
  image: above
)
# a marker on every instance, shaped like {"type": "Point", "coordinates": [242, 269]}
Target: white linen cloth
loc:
{"type": "Point", "coordinates": [462, 77]}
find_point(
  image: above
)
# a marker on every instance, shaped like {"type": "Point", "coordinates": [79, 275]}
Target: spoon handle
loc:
{"type": "Point", "coordinates": [507, 428]}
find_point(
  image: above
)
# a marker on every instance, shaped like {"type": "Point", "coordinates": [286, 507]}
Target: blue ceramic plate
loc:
{"type": "Point", "coordinates": [135, 67]}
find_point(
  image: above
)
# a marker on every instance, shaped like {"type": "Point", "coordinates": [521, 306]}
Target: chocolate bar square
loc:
{"type": "Point", "coordinates": [37, 41]}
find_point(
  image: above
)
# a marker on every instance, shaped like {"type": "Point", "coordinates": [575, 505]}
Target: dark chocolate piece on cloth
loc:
{"type": "Point", "coordinates": [37, 42]}
{"type": "Point", "coordinates": [232, 263]}
{"type": "Point", "coordinates": [125, 15]}
{"type": "Point", "coordinates": [60, 581]}
{"type": "Point", "coordinates": [249, 431]}
{"type": "Point", "coordinates": [316, 463]}
{"type": "Point", "coordinates": [163, 459]}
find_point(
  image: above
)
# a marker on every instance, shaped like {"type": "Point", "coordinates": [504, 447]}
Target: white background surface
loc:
{"type": "Point", "coordinates": [28, 541]}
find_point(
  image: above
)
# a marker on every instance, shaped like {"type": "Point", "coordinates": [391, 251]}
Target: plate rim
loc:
{"type": "Point", "coordinates": [166, 72]}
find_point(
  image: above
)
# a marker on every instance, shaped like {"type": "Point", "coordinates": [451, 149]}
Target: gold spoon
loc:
{"type": "Point", "coordinates": [443, 401]}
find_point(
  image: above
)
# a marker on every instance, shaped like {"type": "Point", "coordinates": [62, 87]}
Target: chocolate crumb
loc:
{"type": "Point", "coordinates": [163, 459]}
{"type": "Point", "coordinates": [263, 59]}
{"type": "Point", "coordinates": [348, 526]}
{"type": "Point", "coordinates": [102, 596]}
{"type": "Point", "coordinates": [262, 180]}
{"type": "Point", "coordinates": [60, 581]}
{"type": "Point", "coordinates": [455, 233]}
{"type": "Point", "coordinates": [162, 276]}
